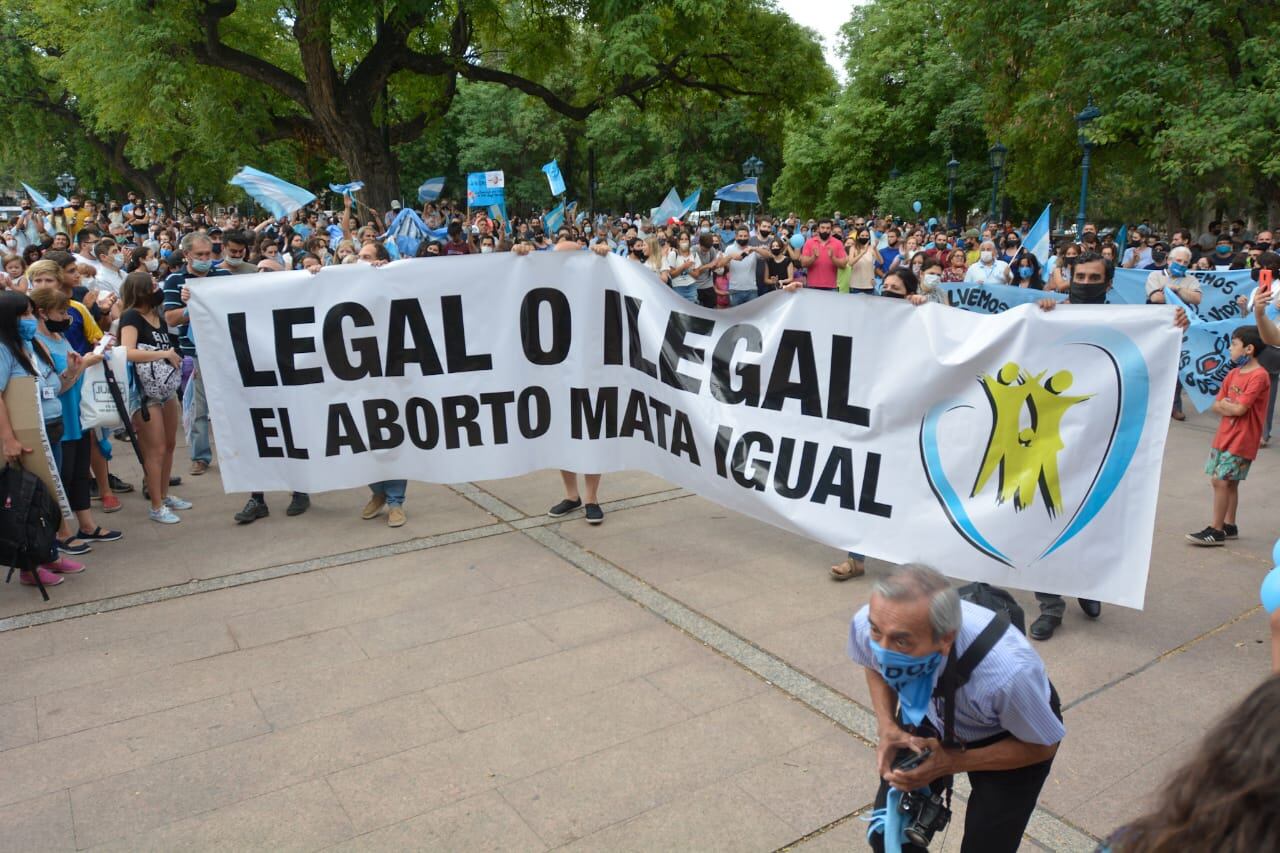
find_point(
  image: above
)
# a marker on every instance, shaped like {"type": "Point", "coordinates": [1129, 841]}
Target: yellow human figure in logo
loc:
{"type": "Point", "coordinates": [1025, 458]}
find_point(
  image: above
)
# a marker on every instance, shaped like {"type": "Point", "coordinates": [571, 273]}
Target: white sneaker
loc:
{"type": "Point", "coordinates": [174, 502]}
{"type": "Point", "coordinates": [163, 515]}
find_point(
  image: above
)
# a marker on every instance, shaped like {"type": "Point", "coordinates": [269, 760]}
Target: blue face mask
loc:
{"type": "Point", "coordinates": [27, 328]}
{"type": "Point", "coordinates": [1224, 250]}
{"type": "Point", "coordinates": [1177, 270]}
{"type": "Point", "coordinates": [201, 267]}
{"type": "Point", "coordinates": [910, 677]}
{"type": "Point", "coordinates": [1025, 272]}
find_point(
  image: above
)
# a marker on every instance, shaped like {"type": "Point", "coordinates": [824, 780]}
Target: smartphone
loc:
{"type": "Point", "coordinates": [911, 762]}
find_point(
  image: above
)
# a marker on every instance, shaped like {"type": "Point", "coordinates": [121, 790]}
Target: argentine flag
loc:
{"type": "Point", "coordinates": [1037, 239]}
{"type": "Point", "coordinates": [552, 171]}
{"type": "Point", "coordinates": [431, 189]}
{"type": "Point", "coordinates": [743, 192]}
{"type": "Point", "coordinates": [278, 196]}
{"type": "Point", "coordinates": [554, 219]}
{"type": "Point", "coordinates": [42, 202]}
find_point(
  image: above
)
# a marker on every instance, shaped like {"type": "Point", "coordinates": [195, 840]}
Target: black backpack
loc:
{"type": "Point", "coordinates": [995, 598]}
{"type": "Point", "coordinates": [29, 519]}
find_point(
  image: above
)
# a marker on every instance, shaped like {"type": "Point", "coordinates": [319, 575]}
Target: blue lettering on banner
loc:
{"type": "Point", "coordinates": [994, 298]}
{"type": "Point", "coordinates": [1204, 360]}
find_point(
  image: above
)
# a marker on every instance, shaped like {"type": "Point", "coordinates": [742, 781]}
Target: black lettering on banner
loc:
{"type": "Point", "coordinates": [460, 415]}
{"type": "Point", "coordinates": [380, 420]}
{"type": "Point", "coordinates": [836, 479]}
{"type": "Point", "coordinates": [497, 401]}
{"type": "Point", "coordinates": [782, 468]}
{"type": "Point", "coordinates": [342, 431]}
{"type": "Point", "coordinates": [722, 358]}
{"type": "Point", "coordinates": [870, 479]}
{"type": "Point", "coordinates": [603, 415]}
{"type": "Point", "coordinates": [838, 406]}
{"type": "Point", "coordinates": [531, 325]}
{"type": "Point", "coordinates": [636, 418]}
{"type": "Point", "coordinates": [760, 467]}
{"type": "Point", "coordinates": [635, 353]}
{"type": "Point", "coordinates": [674, 349]}
{"type": "Point", "coordinates": [424, 427]}
{"type": "Point", "coordinates": [335, 343]}
{"type": "Point", "coordinates": [612, 327]}
{"type": "Point", "coordinates": [417, 347]}
{"type": "Point", "coordinates": [721, 449]}
{"type": "Point", "coordinates": [534, 420]}
{"type": "Point", "coordinates": [660, 412]}
{"type": "Point", "coordinates": [288, 348]}
{"type": "Point", "coordinates": [682, 436]}
{"type": "Point", "coordinates": [455, 341]}
{"type": "Point", "coordinates": [795, 347]}
{"type": "Point", "coordinates": [250, 376]}
{"type": "Point", "coordinates": [264, 431]}
{"type": "Point", "coordinates": [286, 429]}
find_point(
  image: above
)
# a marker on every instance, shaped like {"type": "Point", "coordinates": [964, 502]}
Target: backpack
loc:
{"type": "Point", "coordinates": [29, 519]}
{"type": "Point", "coordinates": [995, 598]}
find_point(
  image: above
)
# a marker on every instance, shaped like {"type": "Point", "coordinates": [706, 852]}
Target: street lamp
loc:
{"type": "Point", "coordinates": [66, 182]}
{"type": "Point", "coordinates": [894, 174]}
{"type": "Point", "coordinates": [753, 167]}
{"type": "Point", "coordinates": [1086, 116]}
{"type": "Point", "coordinates": [953, 170]}
{"type": "Point", "coordinates": [995, 159]}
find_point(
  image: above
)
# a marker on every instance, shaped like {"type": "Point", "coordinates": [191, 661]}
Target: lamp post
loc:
{"type": "Point", "coordinates": [894, 174]}
{"type": "Point", "coordinates": [753, 167]}
{"type": "Point", "coordinates": [953, 170]}
{"type": "Point", "coordinates": [1086, 116]}
{"type": "Point", "coordinates": [66, 182]}
{"type": "Point", "coordinates": [995, 159]}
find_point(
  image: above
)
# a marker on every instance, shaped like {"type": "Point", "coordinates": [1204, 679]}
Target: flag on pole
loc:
{"type": "Point", "coordinates": [42, 202]}
{"type": "Point", "coordinates": [1122, 244]}
{"type": "Point", "coordinates": [278, 196]}
{"type": "Point", "coordinates": [552, 222]}
{"type": "Point", "coordinates": [670, 207]}
{"type": "Point", "coordinates": [743, 192]}
{"type": "Point", "coordinates": [1037, 239]}
{"type": "Point", "coordinates": [406, 231]}
{"type": "Point", "coordinates": [690, 203]}
{"type": "Point", "coordinates": [347, 189]}
{"type": "Point", "coordinates": [552, 171]}
{"type": "Point", "coordinates": [431, 189]}
{"type": "Point", "coordinates": [486, 188]}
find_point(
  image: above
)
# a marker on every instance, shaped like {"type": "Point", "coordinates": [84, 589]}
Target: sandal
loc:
{"type": "Point", "coordinates": [848, 569]}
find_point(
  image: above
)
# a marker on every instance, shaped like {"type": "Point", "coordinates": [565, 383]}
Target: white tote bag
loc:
{"type": "Point", "coordinates": [97, 406]}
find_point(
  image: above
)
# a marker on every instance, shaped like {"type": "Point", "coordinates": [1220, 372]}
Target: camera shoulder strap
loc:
{"type": "Point", "coordinates": [957, 673]}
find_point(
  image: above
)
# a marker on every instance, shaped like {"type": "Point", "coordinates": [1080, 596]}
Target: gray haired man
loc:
{"type": "Point", "coordinates": [949, 677]}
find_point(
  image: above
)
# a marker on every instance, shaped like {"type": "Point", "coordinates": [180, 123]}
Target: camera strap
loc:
{"type": "Point", "coordinates": [957, 673]}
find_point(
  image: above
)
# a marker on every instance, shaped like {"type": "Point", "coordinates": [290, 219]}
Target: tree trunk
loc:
{"type": "Point", "coordinates": [362, 148]}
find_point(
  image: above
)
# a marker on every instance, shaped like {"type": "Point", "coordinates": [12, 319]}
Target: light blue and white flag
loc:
{"type": "Point", "coordinates": [431, 189]}
{"type": "Point", "coordinates": [690, 203]}
{"type": "Point", "coordinates": [670, 207]}
{"type": "Point", "coordinates": [347, 189]}
{"type": "Point", "coordinates": [552, 171]}
{"type": "Point", "coordinates": [552, 222]}
{"type": "Point", "coordinates": [994, 298]}
{"type": "Point", "coordinates": [1037, 240]}
{"type": "Point", "coordinates": [743, 192]}
{"type": "Point", "coordinates": [278, 196]}
{"type": "Point", "coordinates": [405, 232]}
{"type": "Point", "coordinates": [42, 202]}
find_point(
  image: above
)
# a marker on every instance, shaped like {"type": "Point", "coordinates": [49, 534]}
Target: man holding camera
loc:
{"type": "Point", "coordinates": [956, 689]}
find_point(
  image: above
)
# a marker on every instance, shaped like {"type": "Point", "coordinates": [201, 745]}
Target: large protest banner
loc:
{"type": "Point", "coordinates": [1022, 449]}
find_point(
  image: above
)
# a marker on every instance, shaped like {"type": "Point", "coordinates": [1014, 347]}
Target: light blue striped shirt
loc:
{"type": "Point", "coordinates": [1007, 692]}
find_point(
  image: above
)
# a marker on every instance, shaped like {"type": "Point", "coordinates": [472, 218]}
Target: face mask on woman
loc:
{"type": "Point", "coordinates": [1025, 272]}
{"type": "Point", "coordinates": [152, 264]}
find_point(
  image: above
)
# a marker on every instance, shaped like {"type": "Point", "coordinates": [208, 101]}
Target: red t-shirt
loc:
{"type": "Point", "coordinates": [822, 273]}
{"type": "Point", "coordinates": [1240, 436]}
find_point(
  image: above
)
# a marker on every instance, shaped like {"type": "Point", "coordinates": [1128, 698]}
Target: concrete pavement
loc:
{"type": "Point", "coordinates": [487, 678]}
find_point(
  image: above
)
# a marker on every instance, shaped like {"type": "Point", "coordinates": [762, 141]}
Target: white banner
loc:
{"type": "Point", "coordinates": [1023, 449]}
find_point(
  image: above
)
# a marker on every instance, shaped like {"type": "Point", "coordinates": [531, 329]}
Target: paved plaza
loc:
{"type": "Point", "coordinates": [486, 678]}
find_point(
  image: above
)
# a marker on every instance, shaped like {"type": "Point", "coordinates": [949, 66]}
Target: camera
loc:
{"type": "Point", "coordinates": [926, 814]}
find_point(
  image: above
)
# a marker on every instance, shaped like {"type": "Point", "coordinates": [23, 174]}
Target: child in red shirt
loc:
{"type": "Point", "coordinates": [1242, 402]}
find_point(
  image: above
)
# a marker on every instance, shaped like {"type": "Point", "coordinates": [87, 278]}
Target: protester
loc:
{"type": "Point", "coordinates": [989, 269]}
{"type": "Point", "coordinates": [741, 265]}
{"type": "Point", "coordinates": [678, 265]}
{"type": "Point", "coordinates": [1242, 404]}
{"type": "Point", "coordinates": [1007, 720]}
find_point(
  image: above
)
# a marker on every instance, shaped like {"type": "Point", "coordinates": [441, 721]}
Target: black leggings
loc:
{"type": "Point", "coordinates": [75, 470]}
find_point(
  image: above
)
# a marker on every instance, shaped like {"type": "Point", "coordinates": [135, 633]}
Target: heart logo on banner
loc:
{"type": "Point", "coordinates": [1058, 439]}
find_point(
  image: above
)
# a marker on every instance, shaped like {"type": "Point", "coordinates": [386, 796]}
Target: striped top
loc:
{"type": "Point", "coordinates": [1007, 692]}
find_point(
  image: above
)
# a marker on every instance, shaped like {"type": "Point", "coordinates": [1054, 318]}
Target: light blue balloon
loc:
{"type": "Point", "coordinates": [797, 242]}
{"type": "Point", "coordinates": [915, 205]}
{"type": "Point", "coordinates": [1270, 590]}
{"type": "Point", "coordinates": [1275, 553]}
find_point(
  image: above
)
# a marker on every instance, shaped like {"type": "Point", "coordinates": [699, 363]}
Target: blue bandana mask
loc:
{"type": "Point", "coordinates": [910, 677]}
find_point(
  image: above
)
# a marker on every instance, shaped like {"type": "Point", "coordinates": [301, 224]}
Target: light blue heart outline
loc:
{"type": "Point", "coordinates": [1133, 383]}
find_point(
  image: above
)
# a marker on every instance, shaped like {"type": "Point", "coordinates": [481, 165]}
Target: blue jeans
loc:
{"type": "Point", "coordinates": [392, 490]}
{"type": "Point", "coordinates": [737, 297]}
{"type": "Point", "coordinates": [686, 291]}
{"type": "Point", "coordinates": [198, 434]}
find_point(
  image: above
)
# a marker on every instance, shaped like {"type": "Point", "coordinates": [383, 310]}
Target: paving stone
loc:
{"type": "Point", "coordinates": [41, 823]}
{"type": "Point", "coordinates": [481, 823]}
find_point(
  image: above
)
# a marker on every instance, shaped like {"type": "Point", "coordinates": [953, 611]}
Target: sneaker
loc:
{"type": "Point", "coordinates": [253, 510]}
{"type": "Point", "coordinates": [300, 504]}
{"type": "Point", "coordinates": [118, 485]}
{"type": "Point", "coordinates": [72, 547]}
{"type": "Point", "coordinates": [373, 507]}
{"type": "Point", "coordinates": [111, 503]}
{"type": "Point", "coordinates": [198, 467]}
{"type": "Point", "coordinates": [565, 507]}
{"type": "Point", "coordinates": [1208, 536]}
{"type": "Point", "coordinates": [47, 577]}
{"type": "Point", "coordinates": [99, 534]}
{"type": "Point", "coordinates": [1231, 531]}
{"type": "Point", "coordinates": [63, 566]}
{"type": "Point", "coordinates": [395, 517]}
{"type": "Point", "coordinates": [595, 515]}
{"type": "Point", "coordinates": [164, 515]}
{"type": "Point", "coordinates": [175, 502]}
